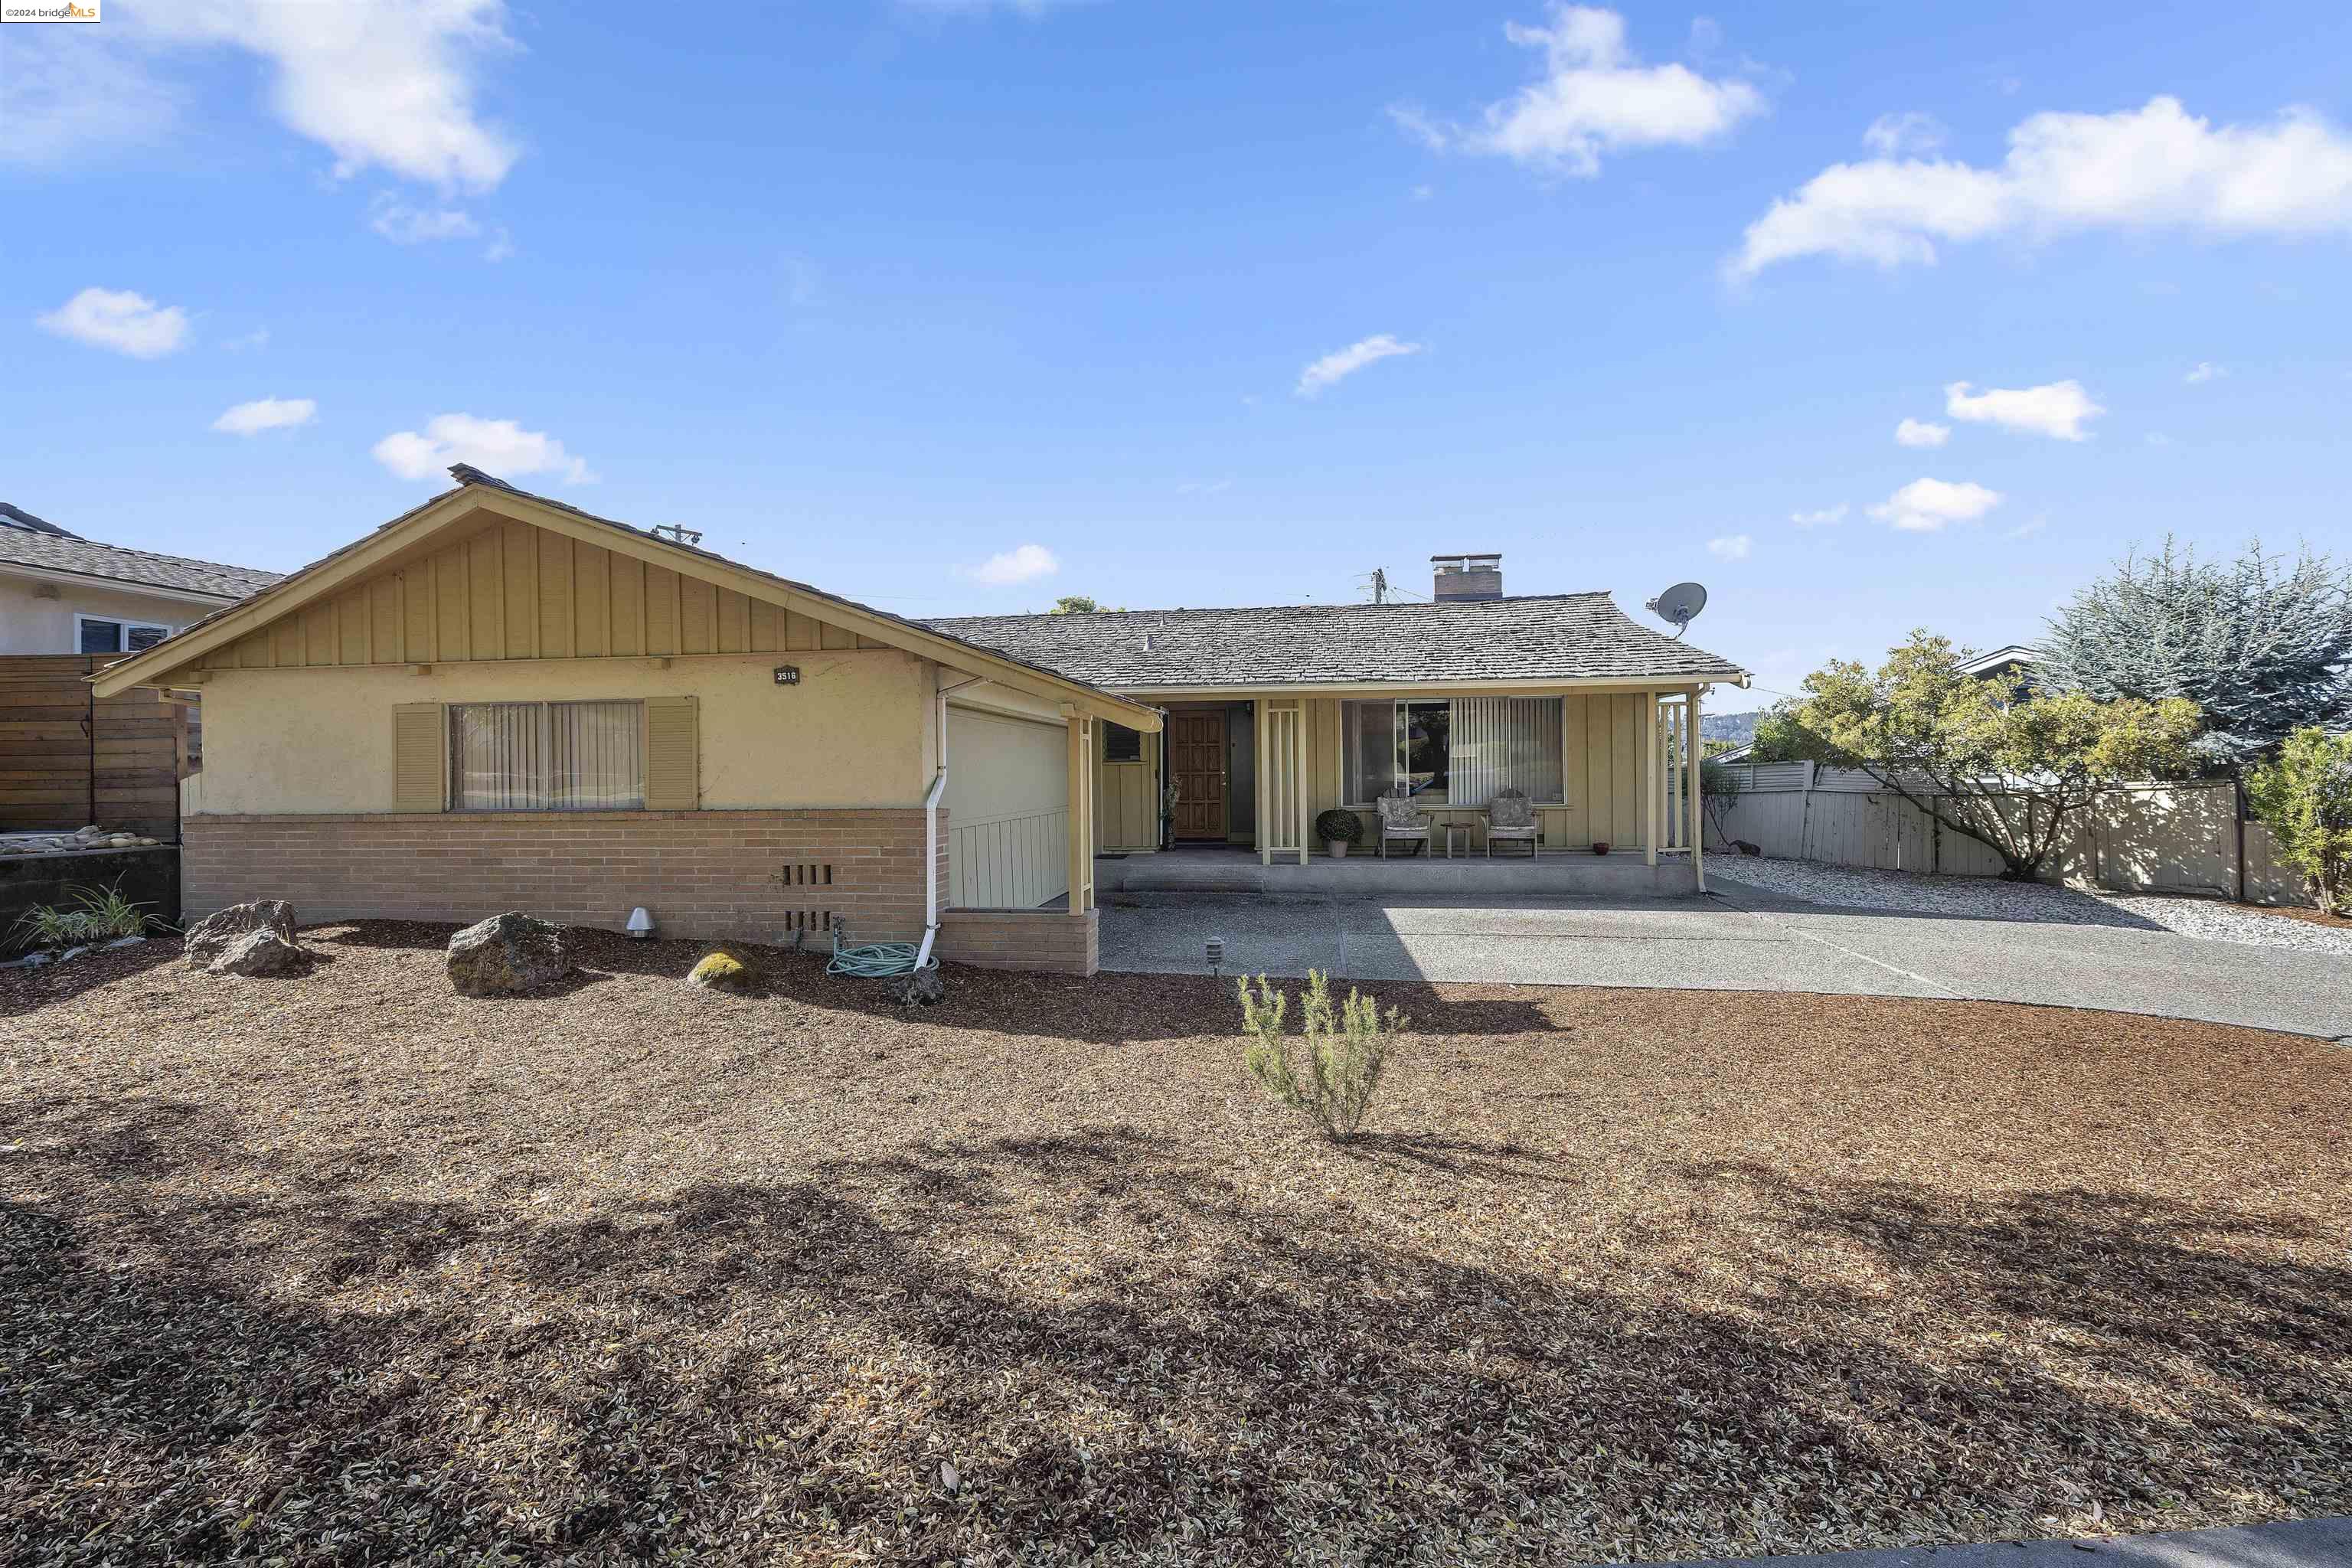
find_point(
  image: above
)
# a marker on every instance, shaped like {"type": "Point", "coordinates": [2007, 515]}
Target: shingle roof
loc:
{"type": "Point", "coordinates": [52, 549]}
{"type": "Point", "coordinates": [1565, 636]}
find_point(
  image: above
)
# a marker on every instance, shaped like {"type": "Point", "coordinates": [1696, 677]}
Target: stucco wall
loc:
{"type": "Point", "coordinates": [854, 732]}
{"type": "Point", "coordinates": [29, 623]}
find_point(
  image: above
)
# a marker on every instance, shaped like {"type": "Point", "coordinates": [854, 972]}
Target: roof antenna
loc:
{"type": "Point", "coordinates": [1681, 605]}
{"type": "Point", "coordinates": [676, 532]}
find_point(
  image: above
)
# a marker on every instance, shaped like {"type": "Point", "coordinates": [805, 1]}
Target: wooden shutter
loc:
{"type": "Point", "coordinates": [673, 747]}
{"type": "Point", "coordinates": [420, 757]}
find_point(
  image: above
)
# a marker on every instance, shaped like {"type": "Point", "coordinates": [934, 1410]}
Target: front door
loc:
{"type": "Point", "coordinates": [1196, 761]}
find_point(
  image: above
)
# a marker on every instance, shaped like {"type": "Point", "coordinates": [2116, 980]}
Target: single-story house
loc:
{"type": "Point", "coordinates": [497, 700]}
{"type": "Point", "coordinates": [1274, 715]}
{"type": "Point", "coordinates": [60, 593]}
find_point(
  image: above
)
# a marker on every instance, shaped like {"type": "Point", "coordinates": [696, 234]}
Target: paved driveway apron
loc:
{"type": "Point", "coordinates": [1741, 940]}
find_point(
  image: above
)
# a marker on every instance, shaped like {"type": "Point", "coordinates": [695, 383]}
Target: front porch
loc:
{"type": "Point", "coordinates": [1210, 869]}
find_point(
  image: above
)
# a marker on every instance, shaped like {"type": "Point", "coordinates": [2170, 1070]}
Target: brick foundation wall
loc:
{"type": "Point", "coordinates": [702, 873]}
{"type": "Point", "coordinates": [1050, 940]}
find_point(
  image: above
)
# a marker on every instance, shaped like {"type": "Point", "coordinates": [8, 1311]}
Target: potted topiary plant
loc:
{"type": "Point", "coordinates": [1337, 829]}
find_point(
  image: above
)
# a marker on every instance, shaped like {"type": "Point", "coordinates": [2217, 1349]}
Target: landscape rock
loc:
{"type": "Point", "coordinates": [508, 954]}
{"type": "Point", "coordinates": [919, 988]}
{"type": "Point", "coordinates": [260, 952]}
{"type": "Point", "coordinates": [216, 932]}
{"type": "Point", "coordinates": [727, 970]}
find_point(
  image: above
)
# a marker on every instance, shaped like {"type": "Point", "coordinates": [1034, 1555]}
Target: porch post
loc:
{"type": "Point", "coordinates": [1298, 770]}
{"type": "Point", "coordinates": [1694, 750]}
{"type": "Point", "coordinates": [1261, 780]}
{"type": "Point", "coordinates": [1082, 816]}
{"type": "Point", "coordinates": [1650, 779]}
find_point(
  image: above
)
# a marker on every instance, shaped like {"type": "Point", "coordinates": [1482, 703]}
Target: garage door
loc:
{"type": "Point", "coordinates": [1008, 805]}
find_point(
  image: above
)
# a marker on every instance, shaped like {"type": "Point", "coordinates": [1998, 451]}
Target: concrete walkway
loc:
{"type": "Point", "coordinates": [1737, 939]}
{"type": "Point", "coordinates": [2302, 1543]}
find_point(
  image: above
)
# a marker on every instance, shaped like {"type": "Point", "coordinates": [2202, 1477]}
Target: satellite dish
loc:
{"type": "Point", "coordinates": [1680, 603]}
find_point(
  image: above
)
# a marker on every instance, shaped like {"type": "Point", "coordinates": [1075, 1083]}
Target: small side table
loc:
{"type": "Point", "coordinates": [1451, 827]}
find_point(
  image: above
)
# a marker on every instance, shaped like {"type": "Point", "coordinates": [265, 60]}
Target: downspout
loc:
{"type": "Point", "coordinates": [931, 826]}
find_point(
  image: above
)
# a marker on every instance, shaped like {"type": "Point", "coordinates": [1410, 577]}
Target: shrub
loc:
{"type": "Point", "coordinates": [2304, 798]}
{"type": "Point", "coordinates": [1344, 826]}
{"type": "Point", "coordinates": [1342, 1055]}
{"type": "Point", "coordinates": [90, 914]}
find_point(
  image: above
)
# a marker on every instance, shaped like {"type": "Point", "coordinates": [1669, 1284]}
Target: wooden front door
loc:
{"type": "Point", "coordinates": [1196, 761]}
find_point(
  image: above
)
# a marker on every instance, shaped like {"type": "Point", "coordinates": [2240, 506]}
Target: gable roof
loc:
{"type": "Point", "coordinates": [476, 493]}
{"type": "Point", "coordinates": [1547, 637]}
{"type": "Point", "coordinates": [29, 540]}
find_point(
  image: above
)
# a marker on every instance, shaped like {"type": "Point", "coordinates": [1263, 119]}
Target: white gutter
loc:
{"type": "Point", "coordinates": [931, 827]}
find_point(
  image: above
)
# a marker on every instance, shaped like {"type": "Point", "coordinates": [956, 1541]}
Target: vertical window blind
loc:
{"type": "Point", "coordinates": [1458, 753]}
{"type": "Point", "coordinates": [547, 756]}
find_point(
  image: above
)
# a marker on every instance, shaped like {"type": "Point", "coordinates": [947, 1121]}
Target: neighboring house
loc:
{"type": "Point", "coordinates": [2014, 663]}
{"type": "Point", "coordinates": [1276, 714]}
{"type": "Point", "coordinates": [62, 594]}
{"type": "Point", "coordinates": [498, 702]}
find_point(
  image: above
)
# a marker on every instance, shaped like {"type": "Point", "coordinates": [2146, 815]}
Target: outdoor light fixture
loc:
{"type": "Point", "coordinates": [788, 675]}
{"type": "Point", "coordinates": [641, 924]}
{"type": "Point", "coordinates": [1216, 954]}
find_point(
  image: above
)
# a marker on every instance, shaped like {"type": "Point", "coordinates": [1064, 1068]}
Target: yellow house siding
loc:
{"type": "Point", "coordinates": [511, 590]}
{"type": "Point", "coordinates": [1127, 799]}
{"type": "Point", "coordinates": [854, 733]}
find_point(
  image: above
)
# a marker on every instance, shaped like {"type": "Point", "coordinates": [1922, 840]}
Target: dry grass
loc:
{"type": "Point", "coordinates": [346, 1267]}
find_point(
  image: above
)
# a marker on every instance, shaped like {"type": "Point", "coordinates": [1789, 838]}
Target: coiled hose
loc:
{"type": "Point", "coordinates": [875, 961]}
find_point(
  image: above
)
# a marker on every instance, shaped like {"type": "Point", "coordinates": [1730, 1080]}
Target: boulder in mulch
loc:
{"type": "Point", "coordinates": [507, 955]}
{"type": "Point", "coordinates": [260, 951]}
{"type": "Point", "coordinates": [218, 931]}
{"type": "Point", "coordinates": [727, 969]}
{"type": "Point", "coordinates": [919, 988]}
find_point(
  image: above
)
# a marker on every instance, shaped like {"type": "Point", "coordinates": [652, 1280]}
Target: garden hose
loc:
{"type": "Point", "coordinates": [875, 961]}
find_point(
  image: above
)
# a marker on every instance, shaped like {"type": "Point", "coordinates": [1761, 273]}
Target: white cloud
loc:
{"type": "Point", "coordinates": [2206, 371]}
{"type": "Point", "coordinates": [2029, 529]}
{"type": "Point", "coordinates": [1923, 505]}
{"type": "Point", "coordinates": [1340, 364]}
{"type": "Point", "coordinates": [2057, 409]}
{"type": "Point", "coordinates": [1904, 135]}
{"type": "Point", "coordinates": [1828, 514]}
{"type": "Point", "coordinates": [1029, 8]}
{"type": "Point", "coordinates": [404, 225]}
{"type": "Point", "coordinates": [1204, 487]}
{"type": "Point", "coordinates": [388, 85]}
{"type": "Point", "coordinates": [256, 339]}
{"type": "Point", "coordinates": [1023, 563]}
{"type": "Point", "coordinates": [267, 414]}
{"type": "Point", "coordinates": [501, 248]}
{"type": "Point", "coordinates": [1732, 547]}
{"type": "Point", "coordinates": [1920, 433]}
{"type": "Point", "coordinates": [498, 447]}
{"type": "Point", "coordinates": [1593, 97]}
{"type": "Point", "coordinates": [2152, 167]}
{"type": "Point", "coordinates": [119, 319]}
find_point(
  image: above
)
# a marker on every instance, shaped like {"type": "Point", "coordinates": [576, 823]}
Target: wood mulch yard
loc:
{"type": "Point", "coordinates": [347, 1268]}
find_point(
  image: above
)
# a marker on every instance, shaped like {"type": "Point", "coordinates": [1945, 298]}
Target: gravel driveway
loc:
{"type": "Point", "coordinates": [1988, 898]}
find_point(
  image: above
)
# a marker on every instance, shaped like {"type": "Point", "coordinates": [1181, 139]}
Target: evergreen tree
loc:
{"type": "Point", "coordinates": [2261, 645]}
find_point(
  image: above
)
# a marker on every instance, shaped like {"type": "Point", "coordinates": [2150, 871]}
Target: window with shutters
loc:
{"type": "Point", "coordinates": [547, 756]}
{"type": "Point", "coordinates": [1121, 744]}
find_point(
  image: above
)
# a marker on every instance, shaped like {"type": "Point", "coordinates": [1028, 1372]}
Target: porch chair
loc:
{"type": "Point", "coordinates": [1509, 815]}
{"type": "Point", "coordinates": [1400, 819]}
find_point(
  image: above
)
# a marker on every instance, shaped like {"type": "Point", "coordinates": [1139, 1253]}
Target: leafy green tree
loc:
{"type": "Point", "coordinates": [1983, 757]}
{"type": "Point", "coordinates": [2304, 798]}
{"type": "Point", "coordinates": [2261, 645]}
{"type": "Point", "coordinates": [1779, 737]}
{"type": "Point", "coordinates": [1075, 604]}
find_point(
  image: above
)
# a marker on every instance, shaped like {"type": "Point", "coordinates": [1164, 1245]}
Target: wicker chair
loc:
{"type": "Point", "coordinates": [1510, 817]}
{"type": "Point", "coordinates": [1400, 819]}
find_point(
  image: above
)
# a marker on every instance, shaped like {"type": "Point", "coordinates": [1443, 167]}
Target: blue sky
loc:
{"type": "Point", "coordinates": [876, 293]}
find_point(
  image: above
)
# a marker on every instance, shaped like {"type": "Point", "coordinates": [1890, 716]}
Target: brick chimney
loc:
{"type": "Point", "coordinates": [1467, 577]}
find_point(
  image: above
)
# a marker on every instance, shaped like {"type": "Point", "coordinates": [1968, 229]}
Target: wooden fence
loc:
{"type": "Point", "coordinates": [68, 757]}
{"type": "Point", "coordinates": [2168, 839]}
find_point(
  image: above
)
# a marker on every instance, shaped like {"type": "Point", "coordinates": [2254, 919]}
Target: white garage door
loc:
{"type": "Point", "coordinates": [1008, 805]}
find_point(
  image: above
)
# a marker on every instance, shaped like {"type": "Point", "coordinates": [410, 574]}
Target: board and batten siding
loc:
{"type": "Point", "coordinates": [513, 591]}
{"type": "Point", "coordinates": [1008, 811]}
{"type": "Point", "coordinates": [1127, 798]}
{"type": "Point", "coordinates": [1601, 800]}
